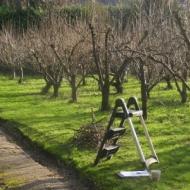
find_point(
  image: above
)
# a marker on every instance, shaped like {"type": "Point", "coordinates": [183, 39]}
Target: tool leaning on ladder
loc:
{"type": "Point", "coordinates": [107, 149]}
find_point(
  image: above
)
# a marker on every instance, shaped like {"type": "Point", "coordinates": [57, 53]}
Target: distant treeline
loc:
{"type": "Point", "coordinates": [19, 19]}
{"type": "Point", "coordinates": [114, 13]}
{"type": "Point", "coordinates": [24, 18]}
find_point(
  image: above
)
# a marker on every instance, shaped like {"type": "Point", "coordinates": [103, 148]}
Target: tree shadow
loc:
{"type": "Point", "coordinates": [51, 158]}
{"type": "Point", "coordinates": [50, 183]}
{"type": "Point", "coordinates": [17, 95]}
{"type": "Point", "coordinates": [174, 166]}
{"type": "Point", "coordinates": [163, 102]}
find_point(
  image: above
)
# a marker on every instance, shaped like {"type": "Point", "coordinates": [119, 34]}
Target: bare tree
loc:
{"type": "Point", "coordinates": [73, 57]}
{"type": "Point", "coordinates": [101, 53]}
{"type": "Point", "coordinates": [43, 59]}
{"type": "Point", "coordinates": [58, 51]}
{"type": "Point", "coordinates": [12, 52]}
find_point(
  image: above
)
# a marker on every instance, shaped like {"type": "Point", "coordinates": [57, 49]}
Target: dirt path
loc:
{"type": "Point", "coordinates": [18, 170]}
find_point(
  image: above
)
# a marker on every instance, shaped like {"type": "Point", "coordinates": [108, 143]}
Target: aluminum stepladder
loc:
{"type": "Point", "coordinates": [112, 134]}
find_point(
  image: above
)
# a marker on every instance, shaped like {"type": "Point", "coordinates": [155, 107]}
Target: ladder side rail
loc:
{"type": "Point", "coordinates": [118, 103]}
{"type": "Point", "coordinates": [133, 102]}
{"type": "Point", "coordinates": [105, 136]}
{"type": "Point", "coordinates": [148, 138]}
{"type": "Point", "coordinates": [134, 135]}
{"type": "Point", "coordinates": [137, 143]}
{"type": "Point", "coordinates": [121, 125]}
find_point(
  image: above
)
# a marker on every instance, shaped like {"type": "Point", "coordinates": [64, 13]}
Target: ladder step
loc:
{"type": "Point", "coordinates": [135, 113]}
{"type": "Point", "coordinates": [120, 114]}
{"type": "Point", "coordinates": [150, 161]}
{"type": "Point", "coordinates": [109, 151]}
{"type": "Point", "coordinates": [115, 133]}
{"type": "Point", "coordinates": [129, 174]}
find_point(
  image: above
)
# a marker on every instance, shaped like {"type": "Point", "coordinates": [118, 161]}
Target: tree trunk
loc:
{"type": "Point", "coordinates": [120, 78]}
{"type": "Point", "coordinates": [13, 73]}
{"type": "Point", "coordinates": [21, 75]}
{"type": "Point", "coordinates": [118, 86]}
{"type": "Point", "coordinates": [83, 76]}
{"type": "Point", "coordinates": [144, 96]}
{"type": "Point", "coordinates": [168, 82]}
{"type": "Point", "coordinates": [147, 92]}
{"type": "Point", "coordinates": [184, 94]}
{"type": "Point", "coordinates": [56, 90]}
{"type": "Point", "coordinates": [74, 88]}
{"type": "Point", "coordinates": [184, 88]}
{"type": "Point", "coordinates": [99, 86]}
{"type": "Point", "coordinates": [125, 77]}
{"type": "Point", "coordinates": [46, 88]}
{"type": "Point", "coordinates": [105, 97]}
{"type": "Point", "coordinates": [83, 80]}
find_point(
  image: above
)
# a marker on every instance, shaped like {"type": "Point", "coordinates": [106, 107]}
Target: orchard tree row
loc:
{"type": "Point", "coordinates": [153, 44]}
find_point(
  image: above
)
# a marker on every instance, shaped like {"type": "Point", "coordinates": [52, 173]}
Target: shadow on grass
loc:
{"type": "Point", "coordinates": [17, 95]}
{"type": "Point", "coordinates": [165, 102]}
{"type": "Point", "coordinates": [51, 183]}
{"type": "Point", "coordinates": [59, 122]}
{"type": "Point", "coordinates": [174, 166]}
{"type": "Point", "coordinates": [49, 157]}
{"type": "Point", "coordinates": [13, 129]}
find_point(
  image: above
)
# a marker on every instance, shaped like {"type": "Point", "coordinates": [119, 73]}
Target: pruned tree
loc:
{"type": "Point", "coordinates": [145, 34]}
{"type": "Point", "coordinates": [73, 56]}
{"type": "Point", "coordinates": [12, 52]}
{"type": "Point", "coordinates": [101, 54]}
{"type": "Point", "coordinates": [58, 51]}
{"type": "Point", "coordinates": [43, 59]}
{"type": "Point", "coordinates": [172, 53]}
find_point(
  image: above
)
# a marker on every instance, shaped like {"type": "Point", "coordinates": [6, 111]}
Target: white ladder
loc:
{"type": "Point", "coordinates": [121, 111]}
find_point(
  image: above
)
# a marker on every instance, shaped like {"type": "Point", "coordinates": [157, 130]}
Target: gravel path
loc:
{"type": "Point", "coordinates": [18, 170]}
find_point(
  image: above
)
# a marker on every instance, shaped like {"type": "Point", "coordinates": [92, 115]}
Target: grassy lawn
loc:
{"type": "Point", "coordinates": [52, 124]}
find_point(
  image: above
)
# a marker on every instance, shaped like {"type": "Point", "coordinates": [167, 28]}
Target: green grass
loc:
{"type": "Point", "coordinates": [52, 123]}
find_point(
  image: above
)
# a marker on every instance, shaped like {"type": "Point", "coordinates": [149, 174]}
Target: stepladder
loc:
{"type": "Point", "coordinates": [124, 112]}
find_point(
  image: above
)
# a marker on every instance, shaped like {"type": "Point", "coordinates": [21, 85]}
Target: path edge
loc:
{"type": "Point", "coordinates": [9, 128]}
